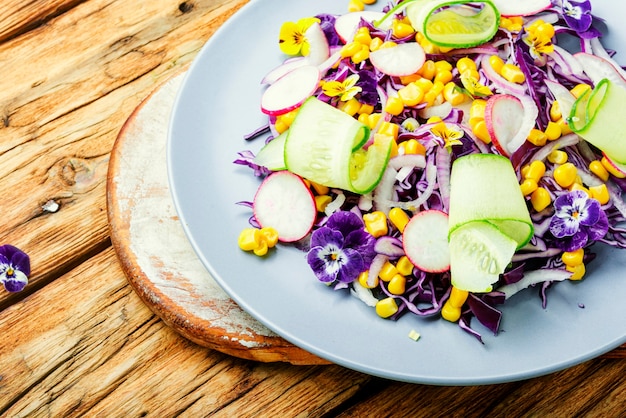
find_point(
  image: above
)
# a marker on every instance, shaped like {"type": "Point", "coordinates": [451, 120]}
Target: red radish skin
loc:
{"type": "Point", "coordinates": [619, 168]}
{"type": "Point", "coordinates": [425, 241]}
{"type": "Point", "coordinates": [400, 60]}
{"type": "Point", "coordinates": [286, 67]}
{"type": "Point", "coordinates": [284, 202]}
{"type": "Point", "coordinates": [521, 7]}
{"type": "Point", "coordinates": [598, 68]}
{"type": "Point", "coordinates": [509, 121]}
{"type": "Point", "coordinates": [291, 90]}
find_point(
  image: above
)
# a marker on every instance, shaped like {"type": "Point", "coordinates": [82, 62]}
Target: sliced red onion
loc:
{"type": "Point", "coordinates": [441, 110]}
{"type": "Point", "coordinates": [501, 84]}
{"type": "Point", "coordinates": [336, 204]}
{"type": "Point", "coordinates": [389, 246]}
{"type": "Point", "coordinates": [562, 142]}
{"type": "Point", "coordinates": [551, 252]}
{"type": "Point", "coordinates": [383, 194]}
{"type": "Point", "coordinates": [363, 293]}
{"type": "Point", "coordinates": [561, 94]}
{"type": "Point", "coordinates": [443, 161]}
{"type": "Point", "coordinates": [534, 277]}
{"type": "Point", "coordinates": [431, 178]}
{"type": "Point", "coordinates": [407, 160]}
{"type": "Point", "coordinates": [377, 264]}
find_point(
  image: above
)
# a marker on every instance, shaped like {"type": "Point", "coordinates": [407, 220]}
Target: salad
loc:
{"type": "Point", "coordinates": [437, 157]}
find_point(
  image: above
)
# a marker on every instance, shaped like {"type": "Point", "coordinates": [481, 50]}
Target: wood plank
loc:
{"type": "Point", "coordinates": [89, 348]}
{"type": "Point", "coordinates": [19, 17]}
{"type": "Point", "coordinates": [62, 111]}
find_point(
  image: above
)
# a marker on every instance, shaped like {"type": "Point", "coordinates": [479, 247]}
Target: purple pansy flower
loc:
{"type": "Point", "coordinates": [577, 220]}
{"type": "Point", "coordinates": [14, 268]}
{"type": "Point", "coordinates": [341, 249]}
{"type": "Point", "coordinates": [577, 14]}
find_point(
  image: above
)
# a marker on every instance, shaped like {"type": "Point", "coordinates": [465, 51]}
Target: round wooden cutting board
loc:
{"type": "Point", "coordinates": [159, 262]}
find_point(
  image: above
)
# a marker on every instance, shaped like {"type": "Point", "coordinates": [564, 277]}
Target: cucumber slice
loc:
{"type": "Point", "coordinates": [484, 187]}
{"type": "Point", "coordinates": [325, 145]}
{"type": "Point", "coordinates": [456, 23]}
{"type": "Point", "coordinates": [479, 253]}
{"type": "Point", "coordinates": [596, 116]}
{"type": "Point", "coordinates": [272, 155]}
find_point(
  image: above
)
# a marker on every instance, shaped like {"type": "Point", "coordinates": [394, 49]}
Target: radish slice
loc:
{"type": "Point", "coordinates": [521, 7]}
{"type": "Point", "coordinates": [347, 24]}
{"type": "Point", "coordinates": [425, 241]}
{"type": "Point", "coordinates": [319, 50]}
{"type": "Point", "coordinates": [291, 90]}
{"type": "Point", "coordinates": [286, 67]}
{"type": "Point", "coordinates": [598, 68]}
{"type": "Point", "coordinates": [401, 60]}
{"type": "Point", "coordinates": [509, 120]}
{"type": "Point", "coordinates": [285, 203]}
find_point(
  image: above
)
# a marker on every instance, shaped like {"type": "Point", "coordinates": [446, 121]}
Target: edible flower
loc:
{"type": "Point", "coordinates": [577, 14]}
{"type": "Point", "coordinates": [449, 136]}
{"type": "Point", "coordinates": [473, 88]}
{"type": "Point", "coordinates": [345, 89]}
{"type": "Point", "coordinates": [577, 220]}
{"type": "Point", "coordinates": [14, 268]}
{"type": "Point", "coordinates": [292, 39]}
{"type": "Point", "coordinates": [341, 249]}
{"type": "Point", "coordinates": [539, 38]}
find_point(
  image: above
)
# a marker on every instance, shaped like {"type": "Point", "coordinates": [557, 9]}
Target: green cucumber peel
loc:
{"type": "Point", "coordinates": [596, 116]}
{"type": "Point", "coordinates": [272, 154]}
{"type": "Point", "coordinates": [325, 145]}
{"type": "Point", "coordinates": [484, 187]}
{"type": "Point", "coordinates": [447, 23]}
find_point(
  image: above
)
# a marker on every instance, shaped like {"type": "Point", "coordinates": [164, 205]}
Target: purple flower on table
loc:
{"type": "Point", "coordinates": [14, 268]}
{"type": "Point", "coordinates": [577, 14]}
{"type": "Point", "coordinates": [578, 219]}
{"type": "Point", "coordinates": [341, 249]}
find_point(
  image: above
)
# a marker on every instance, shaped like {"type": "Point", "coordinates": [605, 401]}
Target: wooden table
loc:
{"type": "Point", "coordinates": [78, 341]}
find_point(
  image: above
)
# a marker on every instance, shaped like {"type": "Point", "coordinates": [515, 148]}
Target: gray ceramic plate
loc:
{"type": "Point", "coordinates": [219, 103]}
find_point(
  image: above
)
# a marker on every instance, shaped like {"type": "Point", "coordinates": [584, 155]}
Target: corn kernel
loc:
{"type": "Point", "coordinates": [537, 137]}
{"type": "Point", "coordinates": [280, 125]}
{"type": "Point", "coordinates": [496, 63]}
{"type": "Point", "coordinates": [321, 201]}
{"type": "Point", "coordinates": [443, 76]}
{"type": "Point", "coordinates": [361, 55]}
{"type": "Point", "coordinates": [413, 146]}
{"type": "Point", "coordinates": [465, 64]}
{"type": "Point", "coordinates": [580, 89]}
{"type": "Point", "coordinates": [364, 278]}
{"type": "Point", "coordinates": [573, 258]}
{"type": "Point", "coordinates": [406, 79]}
{"type": "Point", "coordinates": [477, 110]}
{"type": "Point", "coordinates": [369, 1]}
{"type": "Point", "coordinates": [364, 119]}
{"type": "Point", "coordinates": [565, 174]}
{"type": "Point", "coordinates": [373, 120]}
{"type": "Point", "coordinates": [386, 307]}
{"type": "Point", "coordinates": [249, 239]}
{"type": "Point", "coordinates": [261, 249]}
{"type": "Point", "coordinates": [552, 131]}
{"type": "Point", "coordinates": [362, 36]}
{"type": "Point", "coordinates": [438, 86]}
{"type": "Point", "coordinates": [270, 235]}
{"type": "Point", "coordinates": [404, 266]}
{"type": "Point", "coordinates": [443, 65]}
{"type": "Point", "coordinates": [389, 128]}
{"type": "Point", "coordinates": [453, 95]}
{"type": "Point", "coordinates": [598, 169]}
{"type": "Point", "coordinates": [432, 98]}
{"type": "Point", "coordinates": [434, 119]}
{"type": "Point", "coordinates": [528, 186]}
{"type": "Point", "coordinates": [540, 199]}
{"type": "Point", "coordinates": [387, 272]}
{"type": "Point", "coordinates": [600, 193]}
{"type": "Point", "coordinates": [401, 29]}
{"type": "Point", "coordinates": [351, 107]}
{"type": "Point", "coordinates": [612, 169]}
{"type": "Point", "coordinates": [397, 284]}
{"type": "Point", "coordinates": [555, 111]}
{"type": "Point", "coordinates": [350, 49]}
{"type": "Point", "coordinates": [428, 70]}
{"type": "Point", "coordinates": [387, 44]}
{"type": "Point", "coordinates": [424, 84]}
{"type": "Point", "coordinates": [366, 108]}
{"type": "Point", "coordinates": [577, 271]}
{"type": "Point", "coordinates": [451, 310]}
{"type": "Point", "coordinates": [411, 95]}
{"type": "Point", "coordinates": [398, 218]}
{"type": "Point", "coordinates": [356, 6]}
{"type": "Point", "coordinates": [375, 44]}
{"type": "Point", "coordinates": [376, 223]}
{"type": "Point", "coordinates": [565, 128]}
{"type": "Point", "coordinates": [545, 30]}
{"type": "Point", "coordinates": [536, 170]}
{"type": "Point", "coordinates": [480, 130]}
{"type": "Point", "coordinates": [557, 157]}
{"type": "Point", "coordinates": [579, 187]}
{"type": "Point", "coordinates": [512, 73]}
{"type": "Point", "coordinates": [394, 106]}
